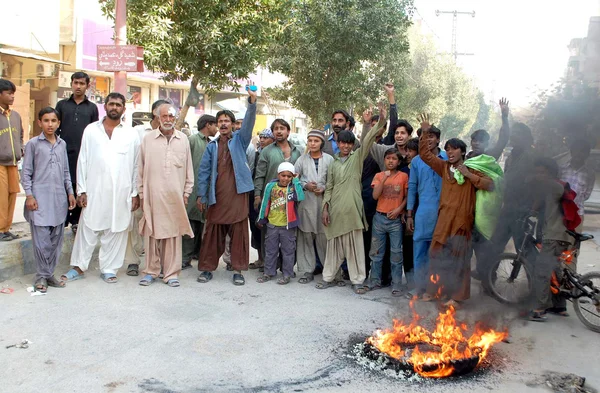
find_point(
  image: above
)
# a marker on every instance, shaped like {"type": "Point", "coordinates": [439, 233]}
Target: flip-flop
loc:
{"type": "Point", "coordinates": [133, 270]}
{"type": "Point", "coordinates": [238, 279]}
{"type": "Point", "coordinates": [264, 278]}
{"type": "Point", "coordinates": [41, 285]}
{"type": "Point", "coordinates": [306, 278]}
{"type": "Point", "coordinates": [283, 281]}
{"type": "Point", "coordinates": [204, 277]}
{"type": "Point", "coordinates": [72, 275]}
{"type": "Point", "coordinates": [256, 265]}
{"type": "Point", "coordinates": [325, 284]}
{"type": "Point", "coordinates": [560, 311]}
{"type": "Point", "coordinates": [173, 283]}
{"type": "Point", "coordinates": [537, 317]}
{"type": "Point", "coordinates": [147, 280]}
{"type": "Point", "coordinates": [55, 283]}
{"type": "Point", "coordinates": [109, 278]}
{"type": "Point", "coordinates": [359, 289]}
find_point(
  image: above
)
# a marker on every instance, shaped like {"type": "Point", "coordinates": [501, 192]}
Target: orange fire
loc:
{"type": "Point", "coordinates": [448, 336]}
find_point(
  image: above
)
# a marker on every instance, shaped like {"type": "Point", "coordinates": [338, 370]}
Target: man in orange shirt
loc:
{"type": "Point", "coordinates": [389, 190]}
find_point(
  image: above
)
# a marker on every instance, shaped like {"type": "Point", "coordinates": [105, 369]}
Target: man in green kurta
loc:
{"type": "Point", "coordinates": [207, 127]}
{"type": "Point", "coordinates": [343, 210]}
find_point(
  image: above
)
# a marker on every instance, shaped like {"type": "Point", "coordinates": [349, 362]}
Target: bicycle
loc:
{"type": "Point", "coordinates": [509, 279]}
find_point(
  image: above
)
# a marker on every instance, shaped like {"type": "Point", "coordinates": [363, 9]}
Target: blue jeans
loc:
{"type": "Point", "coordinates": [421, 255]}
{"type": "Point", "coordinates": [382, 227]}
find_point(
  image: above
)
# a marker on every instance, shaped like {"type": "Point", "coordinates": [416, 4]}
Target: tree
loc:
{"type": "Point", "coordinates": [339, 53]}
{"type": "Point", "coordinates": [213, 44]}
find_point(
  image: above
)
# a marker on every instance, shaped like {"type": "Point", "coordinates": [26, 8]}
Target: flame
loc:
{"type": "Point", "coordinates": [448, 336]}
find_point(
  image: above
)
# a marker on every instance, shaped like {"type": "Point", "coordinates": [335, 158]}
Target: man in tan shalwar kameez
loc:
{"type": "Point", "coordinates": [165, 181]}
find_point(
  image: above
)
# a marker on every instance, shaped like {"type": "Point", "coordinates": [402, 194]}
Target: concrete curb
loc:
{"type": "Point", "coordinates": [16, 257]}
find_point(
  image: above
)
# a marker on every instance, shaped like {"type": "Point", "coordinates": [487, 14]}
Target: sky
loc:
{"type": "Point", "coordinates": [518, 45]}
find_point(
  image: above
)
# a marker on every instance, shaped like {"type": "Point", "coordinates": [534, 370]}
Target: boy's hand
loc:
{"type": "Point", "coordinates": [367, 115]}
{"type": "Point", "coordinates": [394, 214]}
{"type": "Point", "coordinates": [82, 200]}
{"type": "Point", "coordinates": [185, 199]}
{"type": "Point", "coordinates": [387, 174]}
{"type": "Point", "coordinates": [135, 203]}
{"type": "Point", "coordinates": [423, 119]}
{"type": "Point", "coordinates": [410, 224]}
{"type": "Point", "coordinates": [31, 204]}
{"type": "Point", "coordinates": [325, 217]}
{"type": "Point", "coordinates": [504, 107]}
{"type": "Point", "coordinates": [252, 95]}
{"type": "Point", "coordinates": [319, 191]}
{"type": "Point", "coordinates": [72, 202]}
{"type": "Point", "coordinates": [257, 201]}
{"type": "Point", "coordinates": [311, 186]}
{"type": "Point", "coordinates": [464, 170]}
{"type": "Point", "coordinates": [201, 206]}
{"type": "Point", "coordinates": [389, 88]}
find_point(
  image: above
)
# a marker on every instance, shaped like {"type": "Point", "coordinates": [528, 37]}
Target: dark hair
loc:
{"type": "Point", "coordinates": [115, 95]}
{"type": "Point", "coordinates": [6, 85]}
{"type": "Point", "coordinates": [375, 118]}
{"type": "Point", "coordinates": [47, 110]}
{"type": "Point", "coordinates": [405, 124]}
{"type": "Point", "coordinates": [281, 122]}
{"type": "Point", "coordinates": [434, 130]}
{"type": "Point", "coordinates": [456, 143]}
{"type": "Point", "coordinates": [549, 164]}
{"type": "Point", "coordinates": [227, 113]}
{"type": "Point", "coordinates": [413, 144]}
{"type": "Point", "coordinates": [394, 151]}
{"type": "Point", "coordinates": [204, 120]}
{"type": "Point", "coordinates": [352, 121]}
{"type": "Point", "coordinates": [480, 135]}
{"type": "Point", "coordinates": [342, 112]}
{"type": "Point", "coordinates": [81, 75]}
{"type": "Point", "coordinates": [581, 144]}
{"type": "Point", "coordinates": [521, 130]}
{"type": "Point", "coordinates": [346, 137]}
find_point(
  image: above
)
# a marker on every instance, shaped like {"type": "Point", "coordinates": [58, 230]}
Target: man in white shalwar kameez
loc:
{"type": "Point", "coordinates": [106, 190]}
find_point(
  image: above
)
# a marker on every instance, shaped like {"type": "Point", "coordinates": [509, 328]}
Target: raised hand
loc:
{"type": "Point", "coordinates": [253, 95]}
{"type": "Point", "coordinates": [367, 115]}
{"type": "Point", "coordinates": [423, 119]}
{"type": "Point", "coordinates": [389, 88]}
{"type": "Point", "coordinates": [382, 111]}
{"type": "Point", "coordinates": [504, 106]}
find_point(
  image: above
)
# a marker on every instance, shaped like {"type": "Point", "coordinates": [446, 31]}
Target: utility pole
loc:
{"type": "Point", "coordinates": [454, 25]}
{"type": "Point", "coordinates": [121, 39]}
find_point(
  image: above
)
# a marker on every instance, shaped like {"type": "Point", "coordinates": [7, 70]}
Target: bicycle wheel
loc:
{"type": "Point", "coordinates": [509, 279]}
{"type": "Point", "coordinates": [585, 307]}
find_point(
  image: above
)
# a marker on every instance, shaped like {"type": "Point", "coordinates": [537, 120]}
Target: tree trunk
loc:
{"type": "Point", "coordinates": [191, 100]}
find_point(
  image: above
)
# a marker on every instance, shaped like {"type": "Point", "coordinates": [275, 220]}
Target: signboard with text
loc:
{"type": "Point", "coordinates": [115, 58]}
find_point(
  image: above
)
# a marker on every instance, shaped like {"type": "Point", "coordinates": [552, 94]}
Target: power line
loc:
{"type": "Point", "coordinates": [427, 24]}
{"type": "Point", "coordinates": [454, 27]}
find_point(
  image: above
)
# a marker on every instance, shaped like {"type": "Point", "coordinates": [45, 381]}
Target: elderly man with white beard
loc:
{"type": "Point", "coordinates": [165, 182]}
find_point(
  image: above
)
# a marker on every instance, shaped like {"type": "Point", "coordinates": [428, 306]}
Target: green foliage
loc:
{"type": "Point", "coordinates": [212, 42]}
{"type": "Point", "coordinates": [339, 53]}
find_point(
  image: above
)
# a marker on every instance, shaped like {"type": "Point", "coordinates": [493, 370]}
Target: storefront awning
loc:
{"type": "Point", "coordinates": [16, 53]}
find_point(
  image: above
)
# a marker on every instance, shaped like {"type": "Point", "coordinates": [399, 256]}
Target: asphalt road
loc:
{"type": "Point", "coordinates": [215, 337]}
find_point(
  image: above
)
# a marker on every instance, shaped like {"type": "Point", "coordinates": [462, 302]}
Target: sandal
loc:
{"type": "Point", "coordinates": [133, 270]}
{"type": "Point", "coordinates": [306, 278]}
{"type": "Point", "coordinates": [147, 280]}
{"type": "Point", "coordinates": [536, 316]}
{"type": "Point", "coordinates": [340, 283]}
{"type": "Point", "coordinates": [204, 277]}
{"type": "Point", "coordinates": [41, 285]}
{"type": "Point", "coordinates": [325, 284]}
{"type": "Point", "coordinates": [398, 291]}
{"type": "Point", "coordinates": [186, 265]}
{"type": "Point", "coordinates": [55, 283]}
{"type": "Point", "coordinates": [372, 285]}
{"type": "Point", "coordinates": [264, 278]}
{"type": "Point", "coordinates": [72, 275]}
{"type": "Point", "coordinates": [560, 311]}
{"type": "Point", "coordinates": [359, 289]}
{"type": "Point", "coordinates": [109, 278]}
{"type": "Point", "coordinates": [229, 268]}
{"type": "Point", "coordinates": [283, 281]}
{"type": "Point", "coordinates": [256, 265]}
{"type": "Point", "coordinates": [238, 279]}
{"type": "Point", "coordinates": [173, 283]}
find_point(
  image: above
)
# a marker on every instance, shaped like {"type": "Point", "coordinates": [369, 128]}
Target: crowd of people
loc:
{"type": "Point", "coordinates": [382, 210]}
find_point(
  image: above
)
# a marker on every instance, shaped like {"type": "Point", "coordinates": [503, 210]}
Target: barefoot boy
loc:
{"type": "Point", "coordinates": [47, 185]}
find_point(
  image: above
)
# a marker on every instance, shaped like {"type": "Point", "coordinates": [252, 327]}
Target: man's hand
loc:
{"type": "Point", "coordinates": [389, 88]}
{"type": "Point", "coordinates": [31, 204]}
{"type": "Point", "coordinates": [72, 202]}
{"type": "Point", "coordinates": [504, 106]}
{"type": "Point", "coordinates": [367, 115]}
{"type": "Point", "coordinates": [82, 200]}
{"type": "Point", "coordinates": [319, 191]}
{"type": "Point", "coordinates": [423, 118]}
{"type": "Point", "coordinates": [410, 224]}
{"type": "Point", "coordinates": [394, 214]}
{"type": "Point", "coordinates": [185, 199]}
{"type": "Point", "coordinates": [135, 203]}
{"type": "Point", "coordinates": [464, 170]}
{"type": "Point", "coordinates": [311, 186]}
{"type": "Point", "coordinates": [325, 217]}
{"type": "Point", "coordinates": [382, 111]}
{"type": "Point", "coordinates": [201, 206]}
{"type": "Point", "coordinates": [257, 201]}
{"type": "Point", "coordinates": [252, 95]}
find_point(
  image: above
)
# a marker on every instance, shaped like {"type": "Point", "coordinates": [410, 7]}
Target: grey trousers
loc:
{"type": "Point", "coordinates": [305, 251]}
{"type": "Point", "coordinates": [280, 240]}
{"type": "Point", "coordinates": [191, 245]}
{"type": "Point", "coordinates": [545, 264]}
{"type": "Point", "coordinates": [47, 246]}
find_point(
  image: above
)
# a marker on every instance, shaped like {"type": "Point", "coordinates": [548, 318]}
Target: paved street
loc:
{"type": "Point", "coordinates": [98, 337]}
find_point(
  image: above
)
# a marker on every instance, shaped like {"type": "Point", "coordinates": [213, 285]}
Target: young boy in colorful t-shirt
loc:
{"type": "Point", "coordinates": [279, 212]}
{"type": "Point", "coordinates": [389, 190]}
